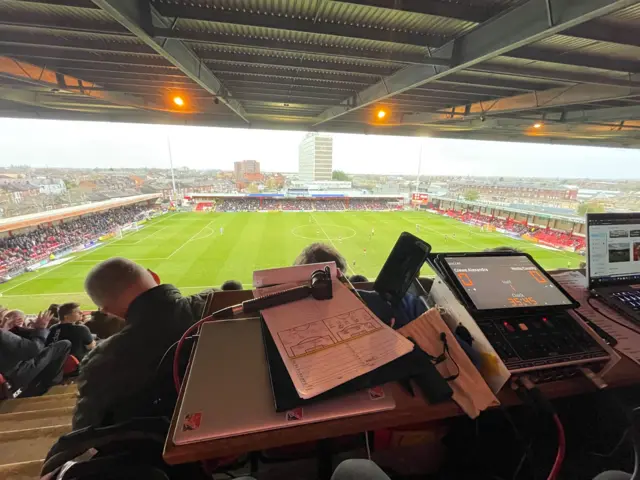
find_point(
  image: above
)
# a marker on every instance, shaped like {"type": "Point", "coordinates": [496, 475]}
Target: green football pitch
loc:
{"type": "Point", "coordinates": [189, 251]}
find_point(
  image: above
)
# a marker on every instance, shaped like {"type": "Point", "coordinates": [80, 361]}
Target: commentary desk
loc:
{"type": "Point", "coordinates": [409, 410]}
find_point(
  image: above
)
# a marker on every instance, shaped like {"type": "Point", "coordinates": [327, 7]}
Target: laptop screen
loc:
{"type": "Point", "coordinates": [613, 248]}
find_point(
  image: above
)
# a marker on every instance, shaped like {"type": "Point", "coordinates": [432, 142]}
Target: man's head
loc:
{"type": "Point", "coordinates": [503, 249]}
{"type": "Point", "coordinates": [53, 309]}
{"type": "Point", "coordinates": [358, 279]}
{"type": "Point", "coordinates": [115, 283]}
{"type": "Point", "coordinates": [231, 285]}
{"type": "Point", "coordinates": [14, 318]}
{"type": "Point", "coordinates": [319, 253]}
{"type": "Point", "coordinates": [69, 313]}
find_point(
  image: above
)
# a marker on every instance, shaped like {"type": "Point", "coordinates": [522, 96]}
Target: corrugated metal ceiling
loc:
{"type": "Point", "coordinates": [287, 61]}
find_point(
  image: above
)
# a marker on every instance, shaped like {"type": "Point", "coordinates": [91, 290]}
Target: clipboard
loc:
{"type": "Point", "coordinates": [414, 363]}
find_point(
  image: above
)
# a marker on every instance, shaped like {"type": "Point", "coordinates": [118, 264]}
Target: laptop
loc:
{"type": "Point", "coordinates": [228, 390]}
{"type": "Point", "coordinates": [613, 261]}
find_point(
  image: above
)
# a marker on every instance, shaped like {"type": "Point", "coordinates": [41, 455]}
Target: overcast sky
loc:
{"type": "Point", "coordinates": [90, 144]}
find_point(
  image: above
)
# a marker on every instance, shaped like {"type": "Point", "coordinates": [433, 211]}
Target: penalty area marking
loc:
{"type": "Point", "coordinates": [294, 231]}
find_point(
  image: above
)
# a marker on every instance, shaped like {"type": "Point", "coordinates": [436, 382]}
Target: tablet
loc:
{"type": "Point", "coordinates": [494, 283]}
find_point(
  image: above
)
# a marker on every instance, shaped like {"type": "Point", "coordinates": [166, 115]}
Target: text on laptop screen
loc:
{"type": "Point", "coordinates": [614, 247]}
{"type": "Point", "coordinates": [505, 282]}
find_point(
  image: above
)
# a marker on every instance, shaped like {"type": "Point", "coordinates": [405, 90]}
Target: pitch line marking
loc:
{"type": "Point", "coordinates": [211, 232]}
{"type": "Point", "coordinates": [331, 241]}
{"type": "Point", "coordinates": [295, 234]}
{"type": "Point", "coordinates": [191, 238]}
{"type": "Point", "coordinates": [149, 236]}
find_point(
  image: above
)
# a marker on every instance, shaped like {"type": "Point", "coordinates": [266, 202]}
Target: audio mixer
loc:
{"type": "Point", "coordinates": [523, 313]}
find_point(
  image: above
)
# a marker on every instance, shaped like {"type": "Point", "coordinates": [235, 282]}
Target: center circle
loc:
{"type": "Point", "coordinates": [323, 231]}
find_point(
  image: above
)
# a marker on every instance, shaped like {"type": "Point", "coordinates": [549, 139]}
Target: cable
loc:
{"type": "Point", "coordinates": [536, 395]}
{"type": "Point", "coordinates": [562, 446]}
{"type": "Point", "coordinates": [599, 311]}
{"type": "Point", "coordinates": [614, 449]}
{"type": "Point", "coordinates": [177, 382]}
{"type": "Point", "coordinates": [366, 441]}
{"type": "Point", "coordinates": [526, 446]}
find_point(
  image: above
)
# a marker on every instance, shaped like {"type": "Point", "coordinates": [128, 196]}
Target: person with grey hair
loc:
{"type": "Point", "coordinates": [119, 377]}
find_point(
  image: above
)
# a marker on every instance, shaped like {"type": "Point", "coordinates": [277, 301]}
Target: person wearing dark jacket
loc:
{"type": "Point", "coordinates": [80, 336]}
{"type": "Point", "coordinates": [116, 374]}
{"type": "Point", "coordinates": [26, 364]}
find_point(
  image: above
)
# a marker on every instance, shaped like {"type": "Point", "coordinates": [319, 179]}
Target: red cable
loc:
{"type": "Point", "coordinates": [176, 364]}
{"type": "Point", "coordinates": [562, 445]}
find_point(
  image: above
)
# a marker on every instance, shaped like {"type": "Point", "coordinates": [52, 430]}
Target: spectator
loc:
{"type": "Point", "coordinates": [503, 249]}
{"type": "Point", "coordinates": [15, 319]}
{"type": "Point", "coordinates": [409, 308]}
{"type": "Point", "coordinates": [121, 377]}
{"type": "Point", "coordinates": [53, 309]}
{"type": "Point", "coordinates": [26, 364]}
{"type": "Point", "coordinates": [358, 279]}
{"type": "Point", "coordinates": [79, 335]}
{"type": "Point", "coordinates": [3, 314]}
{"type": "Point", "coordinates": [320, 253]}
{"type": "Point", "coordinates": [231, 285]}
{"type": "Point", "coordinates": [14, 322]}
{"type": "Point", "coordinates": [104, 326]}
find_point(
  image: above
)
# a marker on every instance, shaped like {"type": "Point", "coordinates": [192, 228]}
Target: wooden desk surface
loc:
{"type": "Point", "coordinates": [409, 410]}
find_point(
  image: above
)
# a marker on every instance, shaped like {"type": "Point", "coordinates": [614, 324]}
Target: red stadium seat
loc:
{"type": "Point", "coordinates": [70, 366]}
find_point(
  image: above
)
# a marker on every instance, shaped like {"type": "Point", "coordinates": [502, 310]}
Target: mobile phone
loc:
{"type": "Point", "coordinates": [401, 268]}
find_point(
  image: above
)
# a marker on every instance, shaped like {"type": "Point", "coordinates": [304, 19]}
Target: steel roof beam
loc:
{"type": "Point", "coordinates": [45, 22]}
{"type": "Point", "coordinates": [301, 63]}
{"type": "Point", "coordinates": [55, 53]}
{"type": "Point", "coordinates": [520, 26]}
{"type": "Point", "coordinates": [604, 114]}
{"type": "Point", "coordinates": [552, 98]}
{"type": "Point", "coordinates": [20, 39]}
{"type": "Point", "coordinates": [606, 32]}
{"type": "Point", "coordinates": [577, 59]}
{"type": "Point", "coordinates": [306, 25]}
{"type": "Point", "coordinates": [96, 66]}
{"type": "Point", "coordinates": [140, 18]}
{"type": "Point", "coordinates": [55, 81]}
{"type": "Point", "coordinates": [595, 30]}
{"type": "Point", "coordinates": [275, 45]}
{"type": "Point", "coordinates": [558, 76]}
{"type": "Point", "coordinates": [302, 75]}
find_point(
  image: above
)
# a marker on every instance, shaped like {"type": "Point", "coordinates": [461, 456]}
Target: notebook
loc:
{"type": "Point", "coordinates": [228, 390]}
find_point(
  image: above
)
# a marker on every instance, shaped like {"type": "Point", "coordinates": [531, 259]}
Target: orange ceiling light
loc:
{"type": "Point", "coordinates": [537, 125]}
{"type": "Point", "coordinates": [178, 100]}
{"type": "Point", "coordinates": [381, 114]}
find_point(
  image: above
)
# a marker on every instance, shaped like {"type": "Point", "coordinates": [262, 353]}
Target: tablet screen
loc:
{"type": "Point", "coordinates": [496, 282]}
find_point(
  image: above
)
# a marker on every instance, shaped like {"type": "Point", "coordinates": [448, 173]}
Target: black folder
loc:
{"type": "Point", "coordinates": [416, 363]}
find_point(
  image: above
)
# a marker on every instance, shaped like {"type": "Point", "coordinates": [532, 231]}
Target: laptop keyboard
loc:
{"type": "Point", "coordinates": [630, 299]}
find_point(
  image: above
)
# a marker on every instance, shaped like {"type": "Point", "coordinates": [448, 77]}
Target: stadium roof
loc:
{"type": "Point", "coordinates": [33, 219]}
{"type": "Point", "coordinates": [564, 71]}
{"type": "Point", "coordinates": [507, 208]}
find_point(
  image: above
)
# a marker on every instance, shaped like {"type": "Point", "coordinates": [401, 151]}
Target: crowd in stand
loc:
{"type": "Point", "coordinates": [553, 238]}
{"type": "Point", "coordinates": [287, 205]}
{"type": "Point", "coordinates": [366, 204]}
{"type": "Point", "coordinates": [329, 205]}
{"type": "Point", "coordinates": [21, 249]}
{"type": "Point", "coordinates": [238, 205]}
{"type": "Point", "coordinates": [293, 204]}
